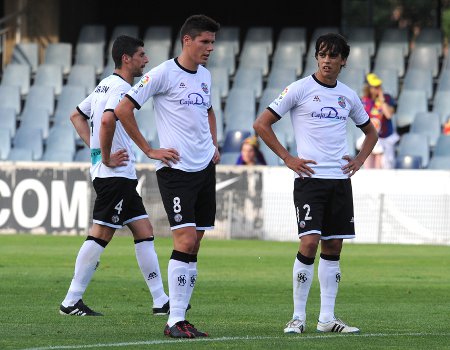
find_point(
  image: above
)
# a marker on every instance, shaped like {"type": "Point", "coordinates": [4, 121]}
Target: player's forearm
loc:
{"type": "Point", "coordinates": [106, 136]}
{"type": "Point", "coordinates": [81, 126]}
{"type": "Point", "coordinates": [213, 127]}
{"type": "Point", "coordinates": [126, 116]}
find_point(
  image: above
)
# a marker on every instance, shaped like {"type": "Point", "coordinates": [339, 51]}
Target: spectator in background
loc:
{"type": "Point", "coordinates": [250, 153]}
{"type": "Point", "coordinates": [380, 107]}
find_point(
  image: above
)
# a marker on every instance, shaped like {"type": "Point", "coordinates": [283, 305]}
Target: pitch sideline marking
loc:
{"type": "Point", "coordinates": [225, 339]}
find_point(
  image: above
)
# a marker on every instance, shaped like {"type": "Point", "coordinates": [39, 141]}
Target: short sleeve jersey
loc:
{"type": "Point", "coordinates": [181, 99]}
{"type": "Point", "coordinates": [105, 97]}
{"type": "Point", "coordinates": [319, 114]}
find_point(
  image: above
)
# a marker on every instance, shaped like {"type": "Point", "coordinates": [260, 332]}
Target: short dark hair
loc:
{"type": "Point", "coordinates": [196, 24]}
{"type": "Point", "coordinates": [124, 44]}
{"type": "Point", "coordinates": [334, 43]}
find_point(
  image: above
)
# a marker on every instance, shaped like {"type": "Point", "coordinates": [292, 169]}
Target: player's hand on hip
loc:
{"type": "Point", "coordinates": [300, 165]}
{"type": "Point", "coordinates": [352, 166]}
{"type": "Point", "coordinates": [166, 155]}
{"type": "Point", "coordinates": [118, 158]}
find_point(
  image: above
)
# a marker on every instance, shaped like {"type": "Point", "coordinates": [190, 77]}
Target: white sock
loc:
{"type": "Point", "coordinates": [302, 277]}
{"type": "Point", "coordinates": [192, 280]}
{"type": "Point", "coordinates": [86, 263]}
{"type": "Point", "coordinates": [178, 277]}
{"type": "Point", "coordinates": [148, 263]}
{"type": "Point", "coordinates": [329, 277]}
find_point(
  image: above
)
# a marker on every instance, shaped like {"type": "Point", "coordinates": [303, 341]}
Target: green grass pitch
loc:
{"type": "Point", "coordinates": [398, 295]}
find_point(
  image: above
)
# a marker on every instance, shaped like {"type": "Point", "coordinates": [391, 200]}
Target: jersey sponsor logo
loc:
{"type": "Point", "coordinates": [205, 88]}
{"type": "Point", "coordinates": [316, 99]}
{"type": "Point", "coordinates": [341, 101]}
{"type": "Point", "coordinates": [328, 113]}
{"type": "Point", "coordinates": [193, 99]}
{"type": "Point", "coordinates": [182, 85]}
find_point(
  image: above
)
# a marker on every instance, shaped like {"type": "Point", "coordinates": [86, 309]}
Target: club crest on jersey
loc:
{"type": "Point", "coordinates": [341, 101]}
{"type": "Point", "coordinates": [205, 88]}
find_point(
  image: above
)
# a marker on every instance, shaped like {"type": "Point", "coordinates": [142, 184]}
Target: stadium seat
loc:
{"type": "Point", "coordinates": [397, 37]}
{"type": "Point", "coordinates": [310, 64]}
{"type": "Point", "coordinates": [249, 78]}
{"type": "Point", "coordinates": [353, 78]}
{"type": "Point", "coordinates": [359, 58]}
{"type": "Point", "coordinates": [234, 139]}
{"type": "Point", "coordinates": [123, 29]}
{"type": "Point", "coordinates": [71, 96]}
{"type": "Point", "coordinates": [409, 103]}
{"type": "Point", "coordinates": [83, 75]}
{"type": "Point", "coordinates": [26, 53]}
{"type": "Point", "coordinates": [419, 79]}
{"type": "Point", "coordinates": [431, 36]}
{"type": "Point", "coordinates": [223, 56]}
{"type": "Point", "coordinates": [90, 54]}
{"type": "Point", "coordinates": [60, 54]}
{"type": "Point", "coordinates": [231, 36]}
{"type": "Point", "coordinates": [361, 36]}
{"type": "Point", "coordinates": [408, 162]}
{"type": "Point", "coordinates": [30, 139]}
{"type": "Point", "coordinates": [439, 163]}
{"type": "Point", "coordinates": [61, 138]}
{"type": "Point", "coordinates": [17, 75]}
{"type": "Point", "coordinates": [229, 158]}
{"type": "Point", "coordinates": [443, 83]}
{"type": "Point", "coordinates": [425, 57]}
{"type": "Point", "coordinates": [220, 80]}
{"type": "Point", "coordinates": [83, 155]}
{"type": "Point", "coordinates": [10, 97]}
{"type": "Point", "coordinates": [414, 145]}
{"type": "Point", "coordinates": [280, 77]}
{"type": "Point", "coordinates": [288, 55]}
{"type": "Point", "coordinates": [268, 96]}
{"type": "Point", "coordinates": [255, 55]}
{"type": "Point", "coordinates": [20, 154]}
{"type": "Point", "coordinates": [37, 118]}
{"type": "Point", "coordinates": [93, 34]}
{"type": "Point", "coordinates": [242, 101]}
{"type": "Point", "coordinates": [428, 124]}
{"type": "Point", "coordinates": [292, 36]}
{"type": "Point", "coordinates": [52, 155]}
{"type": "Point", "coordinates": [156, 57]}
{"type": "Point", "coordinates": [41, 97]}
{"type": "Point", "coordinates": [219, 125]}
{"type": "Point", "coordinates": [390, 81]}
{"type": "Point", "coordinates": [390, 57]}
{"type": "Point", "coordinates": [441, 105]}
{"type": "Point", "coordinates": [442, 147]}
{"type": "Point", "coordinates": [49, 75]}
{"type": "Point", "coordinates": [158, 38]}
{"type": "Point", "coordinates": [5, 143]}
{"type": "Point", "coordinates": [145, 118]}
{"type": "Point", "coordinates": [270, 157]}
{"type": "Point", "coordinates": [8, 120]}
{"type": "Point", "coordinates": [259, 35]}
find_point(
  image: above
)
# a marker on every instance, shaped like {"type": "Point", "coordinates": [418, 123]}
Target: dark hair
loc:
{"type": "Point", "coordinates": [334, 43]}
{"type": "Point", "coordinates": [124, 44]}
{"type": "Point", "coordinates": [196, 24]}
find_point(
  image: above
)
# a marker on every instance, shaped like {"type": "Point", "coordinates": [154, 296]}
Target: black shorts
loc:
{"type": "Point", "coordinates": [189, 197]}
{"type": "Point", "coordinates": [325, 207]}
{"type": "Point", "coordinates": [117, 202]}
